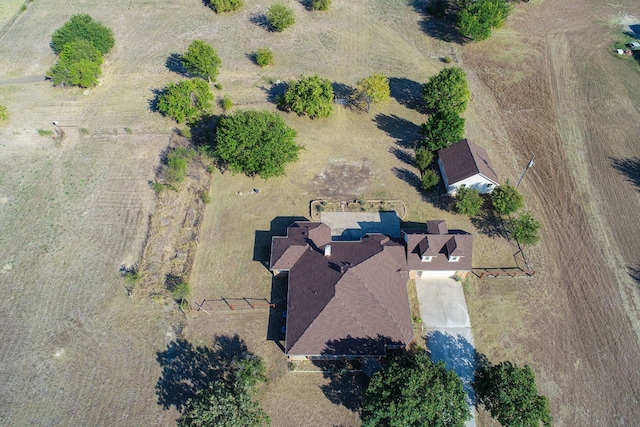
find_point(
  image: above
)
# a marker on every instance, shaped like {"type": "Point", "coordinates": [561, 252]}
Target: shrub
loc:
{"type": "Point", "coordinates": [83, 27]}
{"type": "Point", "coordinates": [202, 60]}
{"type": "Point", "coordinates": [4, 113]}
{"type": "Point", "coordinates": [84, 131]}
{"type": "Point", "coordinates": [476, 19]}
{"type": "Point", "coordinates": [423, 159]}
{"type": "Point", "coordinates": [468, 201]}
{"type": "Point", "coordinates": [312, 96]}
{"type": "Point", "coordinates": [226, 103]}
{"type": "Point", "coordinates": [524, 229]}
{"type": "Point", "coordinates": [205, 197]}
{"type": "Point", "coordinates": [218, 86]}
{"type": "Point", "coordinates": [178, 164]}
{"type": "Point", "coordinates": [221, 6]}
{"type": "Point", "coordinates": [45, 132]}
{"type": "Point", "coordinates": [256, 143]}
{"type": "Point", "coordinates": [264, 57]}
{"type": "Point", "coordinates": [128, 130]}
{"type": "Point", "coordinates": [157, 187]}
{"type": "Point", "coordinates": [506, 199]}
{"type": "Point", "coordinates": [181, 291]}
{"type": "Point", "coordinates": [442, 129]}
{"type": "Point", "coordinates": [320, 4]}
{"type": "Point", "coordinates": [371, 90]}
{"type": "Point", "coordinates": [280, 17]}
{"type": "Point", "coordinates": [187, 100]}
{"type": "Point", "coordinates": [447, 90]}
{"type": "Point", "coordinates": [429, 179]}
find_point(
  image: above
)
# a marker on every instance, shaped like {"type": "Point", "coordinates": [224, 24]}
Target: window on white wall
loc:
{"type": "Point", "coordinates": [454, 259]}
{"type": "Point", "coordinates": [426, 258]}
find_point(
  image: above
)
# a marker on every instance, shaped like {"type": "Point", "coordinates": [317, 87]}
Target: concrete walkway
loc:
{"type": "Point", "coordinates": [449, 338]}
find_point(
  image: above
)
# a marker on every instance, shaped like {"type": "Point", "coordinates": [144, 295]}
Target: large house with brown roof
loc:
{"type": "Point", "coordinates": [466, 164]}
{"type": "Point", "coordinates": [349, 298]}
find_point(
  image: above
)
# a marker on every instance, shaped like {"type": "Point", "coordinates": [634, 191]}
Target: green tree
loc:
{"type": "Point", "coordinates": [442, 129]}
{"type": "Point", "coordinates": [312, 96]}
{"type": "Point", "coordinates": [221, 6]}
{"type": "Point", "coordinates": [477, 18]}
{"type": "Point", "coordinates": [437, 8]}
{"type": "Point", "coordinates": [429, 179]}
{"type": "Point", "coordinates": [228, 402]}
{"type": "Point", "coordinates": [423, 159]}
{"type": "Point", "coordinates": [201, 60]}
{"type": "Point", "coordinates": [524, 229]}
{"type": "Point", "coordinates": [187, 100]}
{"type": "Point", "coordinates": [256, 143]}
{"type": "Point", "coordinates": [468, 201]}
{"type": "Point", "coordinates": [413, 391]}
{"type": "Point", "coordinates": [280, 17]}
{"type": "Point", "coordinates": [509, 393]}
{"type": "Point", "coordinates": [447, 90]}
{"type": "Point", "coordinates": [320, 4]}
{"type": "Point", "coordinates": [264, 57]}
{"type": "Point", "coordinates": [78, 65]}
{"type": "Point", "coordinates": [83, 27]}
{"type": "Point", "coordinates": [506, 199]}
{"type": "Point", "coordinates": [371, 90]}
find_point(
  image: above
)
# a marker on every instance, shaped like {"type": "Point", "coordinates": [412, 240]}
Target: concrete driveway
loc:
{"type": "Point", "coordinates": [443, 309]}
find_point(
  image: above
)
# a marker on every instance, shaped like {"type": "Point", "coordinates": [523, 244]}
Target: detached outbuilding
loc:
{"type": "Point", "coordinates": [466, 164]}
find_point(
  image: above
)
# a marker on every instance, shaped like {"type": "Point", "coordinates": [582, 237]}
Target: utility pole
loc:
{"type": "Point", "coordinates": [529, 166]}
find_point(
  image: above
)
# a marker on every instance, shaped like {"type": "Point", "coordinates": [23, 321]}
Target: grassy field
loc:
{"type": "Point", "coordinates": [78, 351]}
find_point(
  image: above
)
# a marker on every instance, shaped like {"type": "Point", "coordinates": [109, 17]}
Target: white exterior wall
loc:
{"type": "Point", "coordinates": [478, 182]}
{"type": "Point", "coordinates": [430, 273]}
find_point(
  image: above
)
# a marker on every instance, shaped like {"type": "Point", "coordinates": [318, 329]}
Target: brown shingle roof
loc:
{"type": "Point", "coordinates": [465, 159]}
{"type": "Point", "coordinates": [286, 251]}
{"type": "Point", "coordinates": [442, 246]}
{"type": "Point", "coordinates": [365, 303]}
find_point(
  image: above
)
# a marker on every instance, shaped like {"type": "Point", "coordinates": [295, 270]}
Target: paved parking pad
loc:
{"type": "Point", "coordinates": [443, 309]}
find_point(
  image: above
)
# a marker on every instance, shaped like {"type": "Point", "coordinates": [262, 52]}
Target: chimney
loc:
{"type": "Point", "coordinates": [327, 250]}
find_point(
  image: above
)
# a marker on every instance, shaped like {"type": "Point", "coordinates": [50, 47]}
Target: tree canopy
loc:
{"type": "Point", "coordinates": [477, 18]}
{"type": "Point", "coordinates": [423, 159]}
{"type": "Point", "coordinates": [280, 17]}
{"type": "Point", "coordinates": [78, 65]}
{"type": "Point", "coordinates": [221, 6]}
{"type": "Point", "coordinates": [201, 59]}
{"type": "Point", "coordinates": [256, 143]}
{"type": "Point", "coordinates": [312, 96]}
{"type": "Point", "coordinates": [468, 201]}
{"type": "Point", "coordinates": [506, 199]}
{"type": "Point", "coordinates": [413, 391]}
{"type": "Point", "coordinates": [371, 90]}
{"type": "Point", "coordinates": [509, 393]}
{"type": "Point", "coordinates": [447, 91]}
{"type": "Point", "coordinates": [83, 27]}
{"type": "Point", "coordinates": [524, 229]}
{"type": "Point", "coordinates": [187, 100]}
{"type": "Point", "coordinates": [442, 129]}
{"type": "Point", "coordinates": [228, 402]}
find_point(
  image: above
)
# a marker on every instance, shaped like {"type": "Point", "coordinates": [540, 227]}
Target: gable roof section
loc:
{"type": "Point", "coordinates": [356, 309]}
{"type": "Point", "coordinates": [465, 159]}
{"type": "Point", "coordinates": [441, 247]}
{"type": "Point", "coordinates": [286, 251]}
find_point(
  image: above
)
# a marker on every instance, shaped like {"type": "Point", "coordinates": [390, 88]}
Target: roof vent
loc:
{"type": "Point", "coordinates": [327, 250]}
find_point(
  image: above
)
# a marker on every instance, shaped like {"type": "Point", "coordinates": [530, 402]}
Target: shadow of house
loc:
{"type": "Point", "coordinates": [459, 355]}
{"type": "Point", "coordinates": [408, 93]}
{"type": "Point", "coordinates": [405, 133]}
{"type": "Point", "coordinates": [630, 168]}
{"type": "Point", "coordinates": [187, 368]}
{"type": "Point", "coordinates": [277, 315]}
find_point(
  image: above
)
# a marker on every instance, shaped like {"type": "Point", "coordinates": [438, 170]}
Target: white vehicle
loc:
{"type": "Point", "coordinates": [634, 45]}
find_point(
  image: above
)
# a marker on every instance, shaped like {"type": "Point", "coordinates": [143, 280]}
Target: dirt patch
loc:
{"type": "Point", "coordinates": [343, 179]}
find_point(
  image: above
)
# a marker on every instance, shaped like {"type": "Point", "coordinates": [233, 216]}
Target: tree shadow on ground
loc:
{"type": "Point", "coordinates": [341, 90]}
{"type": "Point", "coordinates": [408, 176]}
{"type": "Point", "coordinates": [203, 131]}
{"type": "Point", "coordinates": [441, 28]}
{"type": "Point", "coordinates": [174, 64]}
{"type": "Point", "coordinates": [260, 19]}
{"type": "Point", "coordinates": [403, 155]}
{"type": "Point", "coordinates": [277, 319]}
{"type": "Point", "coordinates": [275, 92]}
{"type": "Point", "coordinates": [630, 168]}
{"type": "Point", "coordinates": [348, 363]}
{"type": "Point", "coordinates": [408, 93]}
{"type": "Point", "coordinates": [458, 354]}
{"type": "Point", "coordinates": [405, 132]}
{"type": "Point", "coordinates": [187, 368]}
{"type": "Point", "coordinates": [153, 102]}
{"type": "Point", "coordinates": [488, 222]}
{"type": "Point", "coordinates": [262, 239]}
{"type": "Point", "coordinates": [634, 273]}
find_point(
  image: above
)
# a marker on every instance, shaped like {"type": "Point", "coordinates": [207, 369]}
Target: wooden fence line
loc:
{"type": "Point", "coordinates": [234, 304]}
